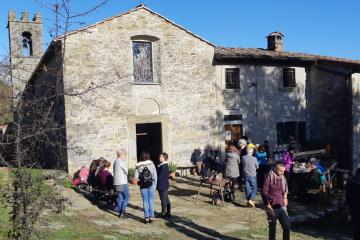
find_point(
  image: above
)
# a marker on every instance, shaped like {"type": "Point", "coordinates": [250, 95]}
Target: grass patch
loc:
{"type": "Point", "coordinates": [65, 182]}
{"type": "Point", "coordinates": [4, 221]}
{"type": "Point", "coordinates": [65, 234]}
{"type": "Point", "coordinates": [5, 177]}
{"type": "Point", "coordinates": [76, 227]}
{"type": "Point", "coordinates": [70, 234]}
{"type": "Point", "coordinates": [4, 211]}
{"type": "Point", "coordinates": [248, 233]}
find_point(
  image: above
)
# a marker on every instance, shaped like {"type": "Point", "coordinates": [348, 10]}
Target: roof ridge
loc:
{"type": "Point", "coordinates": [310, 56]}
{"type": "Point", "coordinates": [138, 7]}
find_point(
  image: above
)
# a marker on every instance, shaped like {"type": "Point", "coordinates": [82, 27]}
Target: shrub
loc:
{"type": "Point", "coordinates": [131, 173]}
{"type": "Point", "coordinates": [172, 167]}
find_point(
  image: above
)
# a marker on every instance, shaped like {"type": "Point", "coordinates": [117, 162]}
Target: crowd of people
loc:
{"type": "Point", "coordinates": [245, 164]}
{"type": "Point", "coordinates": [249, 166]}
{"type": "Point", "coordinates": [148, 176]}
{"type": "Point", "coordinates": [252, 168]}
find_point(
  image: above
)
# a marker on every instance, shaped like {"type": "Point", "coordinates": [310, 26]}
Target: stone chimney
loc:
{"type": "Point", "coordinates": [275, 42]}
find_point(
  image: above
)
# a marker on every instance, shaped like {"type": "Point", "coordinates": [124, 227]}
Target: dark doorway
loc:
{"type": "Point", "coordinates": [149, 138]}
{"type": "Point", "coordinates": [233, 133]}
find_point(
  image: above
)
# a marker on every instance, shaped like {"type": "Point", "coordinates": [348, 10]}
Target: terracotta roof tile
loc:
{"type": "Point", "coordinates": [224, 54]}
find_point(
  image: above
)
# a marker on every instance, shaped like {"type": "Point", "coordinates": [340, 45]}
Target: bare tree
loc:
{"type": "Point", "coordinates": [39, 125]}
{"type": "Point", "coordinates": [5, 91]}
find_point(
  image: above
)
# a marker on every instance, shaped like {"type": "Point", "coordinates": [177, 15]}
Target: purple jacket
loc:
{"type": "Point", "coordinates": [106, 180]}
{"type": "Point", "coordinates": [274, 190]}
{"type": "Point", "coordinates": [288, 160]}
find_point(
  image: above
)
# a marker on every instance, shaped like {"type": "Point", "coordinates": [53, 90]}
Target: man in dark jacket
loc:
{"type": "Point", "coordinates": [353, 200]}
{"type": "Point", "coordinates": [163, 185]}
{"type": "Point", "coordinates": [274, 195]}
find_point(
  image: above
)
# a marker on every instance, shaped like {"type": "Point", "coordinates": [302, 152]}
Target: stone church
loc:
{"type": "Point", "coordinates": [139, 81]}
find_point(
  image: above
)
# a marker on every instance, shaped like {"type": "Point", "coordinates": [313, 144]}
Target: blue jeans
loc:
{"type": "Point", "coordinates": [123, 198]}
{"type": "Point", "coordinates": [147, 195]}
{"type": "Point", "coordinates": [250, 187]}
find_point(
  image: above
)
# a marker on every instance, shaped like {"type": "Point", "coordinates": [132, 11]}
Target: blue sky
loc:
{"type": "Point", "coordinates": [325, 27]}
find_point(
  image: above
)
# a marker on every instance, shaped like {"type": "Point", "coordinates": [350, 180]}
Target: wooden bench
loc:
{"type": "Point", "coordinates": [215, 184]}
{"type": "Point", "coordinates": [184, 170]}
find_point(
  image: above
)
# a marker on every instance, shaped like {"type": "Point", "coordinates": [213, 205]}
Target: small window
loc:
{"type": "Point", "coordinates": [291, 130]}
{"type": "Point", "coordinates": [27, 44]}
{"type": "Point", "coordinates": [289, 80]}
{"type": "Point", "coordinates": [143, 62]}
{"type": "Point", "coordinates": [233, 117]}
{"type": "Point", "coordinates": [232, 78]}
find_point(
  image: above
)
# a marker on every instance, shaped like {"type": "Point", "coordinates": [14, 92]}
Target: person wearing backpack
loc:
{"type": "Point", "coordinates": [163, 185]}
{"type": "Point", "coordinates": [147, 179]}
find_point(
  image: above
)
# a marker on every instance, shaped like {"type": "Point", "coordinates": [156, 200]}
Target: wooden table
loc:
{"type": "Point", "coordinates": [300, 179]}
{"type": "Point", "coordinates": [218, 182]}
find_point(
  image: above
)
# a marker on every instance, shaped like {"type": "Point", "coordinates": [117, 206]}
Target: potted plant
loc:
{"type": "Point", "coordinates": [172, 170]}
{"type": "Point", "coordinates": [131, 176]}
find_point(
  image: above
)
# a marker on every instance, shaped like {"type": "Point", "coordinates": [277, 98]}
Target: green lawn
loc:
{"type": "Point", "coordinates": [4, 211]}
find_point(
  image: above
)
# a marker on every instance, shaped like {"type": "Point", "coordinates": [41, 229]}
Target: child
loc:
{"type": "Point", "coordinates": [315, 165]}
{"type": "Point", "coordinates": [163, 185]}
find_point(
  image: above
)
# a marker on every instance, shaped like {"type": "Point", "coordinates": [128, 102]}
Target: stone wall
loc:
{"type": "Point", "coordinates": [356, 120]}
{"type": "Point", "coordinates": [329, 118]}
{"type": "Point", "coordinates": [102, 120]}
{"type": "Point", "coordinates": [261, 99]}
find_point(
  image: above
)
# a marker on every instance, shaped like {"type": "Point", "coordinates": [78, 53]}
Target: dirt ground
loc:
{"type": "Point", "coordinates": [87, 218]}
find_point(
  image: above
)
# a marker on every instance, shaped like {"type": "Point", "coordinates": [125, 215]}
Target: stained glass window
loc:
{"type": "Point", "coordinates": [143, 69]}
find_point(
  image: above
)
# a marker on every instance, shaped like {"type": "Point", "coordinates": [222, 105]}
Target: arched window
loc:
{"type": "Point", "coordinates": [27, 49]}
{"type": "Point", "coordinates": [143, 62]}
{"type": "Point", "coordinates": [146, 59]}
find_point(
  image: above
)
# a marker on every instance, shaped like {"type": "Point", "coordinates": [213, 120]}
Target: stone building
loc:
{"type": "Point", "coordinates": [355, 126]}
{"type": "Point", "coordinates": [284, 94]}
{"type": "Point", "coordinates": [139, 81]}
{"type": "Point", "coordinates": [26, 48]}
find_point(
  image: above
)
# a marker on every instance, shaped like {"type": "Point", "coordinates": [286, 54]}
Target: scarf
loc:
{"type": "Point", "coordinates": [274, 178]}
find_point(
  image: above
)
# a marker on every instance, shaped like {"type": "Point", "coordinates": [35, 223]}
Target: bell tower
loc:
{"type": "Point", "coordinates": [26, 48]}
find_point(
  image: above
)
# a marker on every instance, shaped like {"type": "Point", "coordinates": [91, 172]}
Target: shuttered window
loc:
{"type": "Point", "coordinates": [289, 80]}
{"type": "Point", "coordinates": [232, 78]}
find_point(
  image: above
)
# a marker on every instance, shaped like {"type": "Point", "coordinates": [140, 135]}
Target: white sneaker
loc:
{"type": "Point", "coordinates": [251, 203]}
